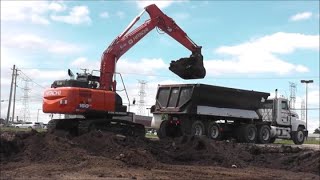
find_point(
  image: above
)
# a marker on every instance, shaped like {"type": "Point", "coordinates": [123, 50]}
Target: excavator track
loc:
{"type": "Point", "coordinates": [77, 126]}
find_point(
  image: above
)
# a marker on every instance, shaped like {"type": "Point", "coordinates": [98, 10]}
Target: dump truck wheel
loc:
{"type": "Point", "coordinates": [214, 131]}
{"type": "Point", "coordinates": [197, 129]}
{"type": "Point", "coordinates": [247, 133]}
{"type": "Point", "coordinates": [264, 134]}
{"type": "Point", "coordinates": [298, 136]}
{"type": "Point", "coordinates": [161, 133]}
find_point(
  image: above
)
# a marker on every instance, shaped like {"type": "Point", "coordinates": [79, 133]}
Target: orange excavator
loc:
{"type": "Point", "coordinates": [95, 97]}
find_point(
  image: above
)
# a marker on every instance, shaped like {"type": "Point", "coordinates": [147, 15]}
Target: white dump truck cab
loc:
{"type": "Point", "coordinates": [284, 122]}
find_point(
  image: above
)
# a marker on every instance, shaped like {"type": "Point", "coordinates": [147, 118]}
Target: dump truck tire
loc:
{"type": "Point", "coordinates": [264, 134]}
{"type": "Point", "coordinates": [298, 136]}
{"type": "Point", "coordinates": [214, 131]}
{"type": "Point", "coordinates": [161, 133]}
{"type": "Point", "coordinates": [197, 128]}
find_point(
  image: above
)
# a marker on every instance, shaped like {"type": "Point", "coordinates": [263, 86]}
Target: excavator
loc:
{"type": "Point", "coordinates": [95, 98]}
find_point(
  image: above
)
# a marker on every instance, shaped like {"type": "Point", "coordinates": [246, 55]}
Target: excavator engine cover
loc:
{"type": "Point", "coordinates": [189, 68]}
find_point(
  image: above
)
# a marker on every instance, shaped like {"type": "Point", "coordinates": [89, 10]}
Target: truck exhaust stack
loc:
{"type": "Point", "coordinates": [189, 68]}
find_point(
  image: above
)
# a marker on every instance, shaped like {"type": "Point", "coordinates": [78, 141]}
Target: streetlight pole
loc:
{"type": "Point", "coordinates": [307, 82]}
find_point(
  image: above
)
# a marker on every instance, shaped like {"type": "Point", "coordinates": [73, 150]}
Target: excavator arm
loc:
{"type": "Point", "coordinates": [186, 68]}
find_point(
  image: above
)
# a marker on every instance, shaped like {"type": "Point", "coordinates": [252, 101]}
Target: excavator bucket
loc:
{"type": "Point", "coordinates": [189, 68]}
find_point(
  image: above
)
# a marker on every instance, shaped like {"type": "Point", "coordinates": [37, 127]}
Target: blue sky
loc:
{"type": "Point", "coordinates": [251, 45]}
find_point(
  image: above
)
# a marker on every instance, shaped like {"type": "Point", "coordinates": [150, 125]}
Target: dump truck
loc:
{"type": "Point", "coordinates": [223, 113]}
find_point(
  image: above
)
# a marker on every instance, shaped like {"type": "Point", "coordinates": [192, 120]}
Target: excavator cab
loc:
{"type": "Point", "coordinates": [189, 67]}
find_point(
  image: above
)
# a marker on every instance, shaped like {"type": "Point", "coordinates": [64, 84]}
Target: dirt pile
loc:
{"type": "Point", "coordinates": [142, 152]}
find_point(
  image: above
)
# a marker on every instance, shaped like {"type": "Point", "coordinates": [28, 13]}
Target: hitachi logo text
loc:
{"type": "Point", "coordinates": [53, 93]}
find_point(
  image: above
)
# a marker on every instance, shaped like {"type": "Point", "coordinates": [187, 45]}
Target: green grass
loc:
{"type": "Point", "coordinates": [284, 141]}
{"type": "Point", "coordinates": [152, 136]}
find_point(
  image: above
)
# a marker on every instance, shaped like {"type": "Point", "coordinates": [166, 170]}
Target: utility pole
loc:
{"type": "Point", "coordinates": [10, 96]}
{"type": "Point", "coordinates": [14, 94]}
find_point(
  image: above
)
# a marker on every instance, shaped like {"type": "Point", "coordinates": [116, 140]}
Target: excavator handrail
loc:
{"type": "Point", "coordinates": [125, 89]}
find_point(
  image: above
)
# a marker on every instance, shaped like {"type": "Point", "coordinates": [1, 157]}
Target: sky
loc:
{"type": "Point", "coordinates": [252, 45]}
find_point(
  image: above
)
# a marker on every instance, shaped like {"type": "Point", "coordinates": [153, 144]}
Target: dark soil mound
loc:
{"type": "Point", "coordinates": [142, 152]}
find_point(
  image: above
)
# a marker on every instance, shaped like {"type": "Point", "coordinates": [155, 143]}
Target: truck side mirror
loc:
{"type": "Point", "coordinates": [152, 109]}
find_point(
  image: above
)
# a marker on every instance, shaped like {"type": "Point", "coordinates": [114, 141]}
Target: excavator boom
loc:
{"type": "Point", "coordinates": [186, 68]}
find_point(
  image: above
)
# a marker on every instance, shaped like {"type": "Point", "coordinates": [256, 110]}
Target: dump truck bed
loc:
{"type": "Point", "coordinates": [187, 98]}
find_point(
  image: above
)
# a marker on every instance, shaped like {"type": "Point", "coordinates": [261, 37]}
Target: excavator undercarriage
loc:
{"type": "Point", "coordinates": [80, 126]}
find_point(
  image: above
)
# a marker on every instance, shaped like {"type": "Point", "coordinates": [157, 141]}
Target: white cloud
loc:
{"type": "Point", "coordinates": [301, 16]}
{"type": "Point", "coordinates": [57, 7]}
{"type": "Point", "coordinates": [83, 62]}
{"type": "Point", "coordinates": [125, 66]}
{"type": "Point", "coordinates": [37, 12]}
{"type": "Point", "coordinates": [60, 47]}
{"type": "Point", "coordinates": [120, 14]}
{"type": "Point", "coordinates": [161, 4]}
{"type": "Point", "coordinates": [104, 15]}
{"type": "Point", "coordinates": [35, 42]}
{"type": "Point", "coordinates": [260, 55]}
{"type": "Point", "coordinates": [144, 66]}
{"type": "Point", "coordinates": [77, 15]}
{"type": "Point", "coordinates": [48, 75]}
{"type": "Point", "coordinates": [280, 42]}
{"type": "Point", "coordinates": [28, 11]}
{"type": "Point", "coordinates": [39, 20]}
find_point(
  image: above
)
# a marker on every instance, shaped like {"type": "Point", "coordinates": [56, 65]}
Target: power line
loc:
{"type": "Point", "coordinates": [216, 77]}
{"type": "Point", "coordinates": [32, 80]}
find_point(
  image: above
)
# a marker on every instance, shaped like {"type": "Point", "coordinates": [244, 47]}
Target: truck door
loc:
{"type": "Point", "coordinates": [285, 113]}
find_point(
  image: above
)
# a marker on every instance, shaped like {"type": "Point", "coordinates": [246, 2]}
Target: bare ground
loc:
{"type": "Point", "coordinates": [100, 155]}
